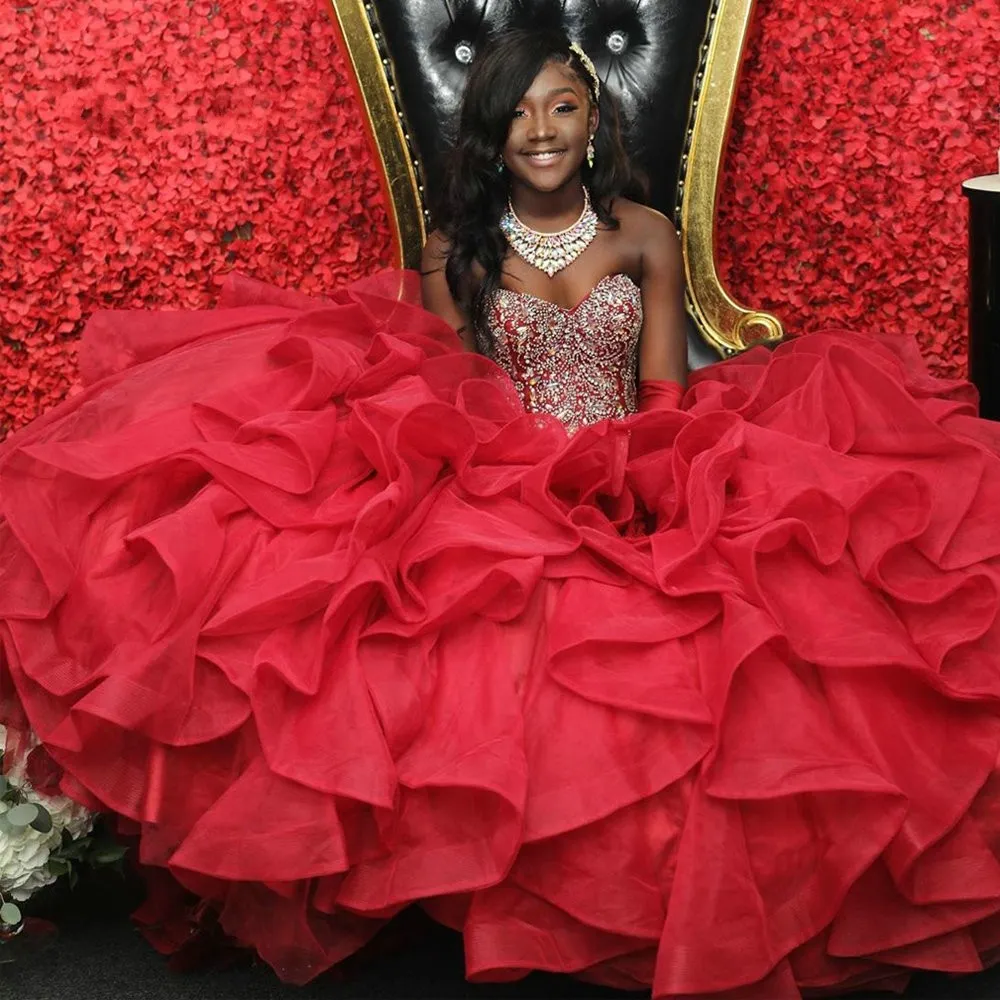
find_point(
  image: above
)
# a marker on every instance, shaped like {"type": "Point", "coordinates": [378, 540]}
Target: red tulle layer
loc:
{"type": "Point", "coordinates": [707, 699]}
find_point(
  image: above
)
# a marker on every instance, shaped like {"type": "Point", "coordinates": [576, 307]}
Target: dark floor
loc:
{"type": "Point", "coordinates": [99, 956]}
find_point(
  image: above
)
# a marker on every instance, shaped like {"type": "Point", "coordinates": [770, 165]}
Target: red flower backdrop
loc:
{"type": "Point", "coordinates": [855, 127]}
{"type": "Point", "coordinates": [146, 148]}
{"type": "Point", "coordinates": [150, 146]}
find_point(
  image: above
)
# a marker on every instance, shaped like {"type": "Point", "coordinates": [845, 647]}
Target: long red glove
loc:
{"type": "Point", "coordinates": [659, 394]}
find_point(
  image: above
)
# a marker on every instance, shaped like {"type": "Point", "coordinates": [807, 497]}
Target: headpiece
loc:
{"type": "Point", "coordinates": [595, 80]}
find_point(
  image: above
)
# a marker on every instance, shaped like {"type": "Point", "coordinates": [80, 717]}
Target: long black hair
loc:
{"type": "Point", "coordinates": [475, 192]}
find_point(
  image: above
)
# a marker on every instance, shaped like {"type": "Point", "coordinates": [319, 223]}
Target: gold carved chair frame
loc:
{"type": "Point", "coordinates": [724, 323]}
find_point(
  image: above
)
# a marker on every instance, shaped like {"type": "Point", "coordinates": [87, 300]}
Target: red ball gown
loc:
{"type": "Point", "coordinates": [341, 619]}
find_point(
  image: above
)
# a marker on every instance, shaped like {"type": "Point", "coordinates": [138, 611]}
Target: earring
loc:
{"type": "Point", "coordinates": [590, 153]}
{"type": "Point", "coordinates": [500, 164]}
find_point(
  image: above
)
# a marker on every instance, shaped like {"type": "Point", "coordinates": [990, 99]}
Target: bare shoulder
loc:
{"type": "Point", "coordinates": [654, 239]}
{"type": "Point", "coordinates": [652, 230]}
{"type": "Point", "coordinates": [435, 252]}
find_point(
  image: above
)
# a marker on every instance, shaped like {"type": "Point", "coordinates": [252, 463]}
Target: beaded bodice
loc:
{"type": "Point", "coordinates": [580, 364]}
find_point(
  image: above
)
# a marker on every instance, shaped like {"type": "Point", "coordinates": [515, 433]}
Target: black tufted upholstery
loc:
{"type": "Point", "coordinates": [646, 51]}
{"type": "Point", "coordinates": [653, 55]}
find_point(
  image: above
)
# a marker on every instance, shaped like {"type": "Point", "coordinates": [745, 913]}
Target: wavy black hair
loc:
{"type": "Point", "coordinates": [475, 192]}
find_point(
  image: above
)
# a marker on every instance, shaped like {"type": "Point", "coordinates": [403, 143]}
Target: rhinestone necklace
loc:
{"type": "Point", "coordinates": [550, 252]}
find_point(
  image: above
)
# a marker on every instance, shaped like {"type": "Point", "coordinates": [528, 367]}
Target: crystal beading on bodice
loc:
{"type": "Point", "coordinates": [580, 364]}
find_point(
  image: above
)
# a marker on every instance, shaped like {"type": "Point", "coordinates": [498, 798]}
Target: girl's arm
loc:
{"type": "Point", "coordinates": [663, 342]}
{"type": "Point", "coordinates": [436, 294]}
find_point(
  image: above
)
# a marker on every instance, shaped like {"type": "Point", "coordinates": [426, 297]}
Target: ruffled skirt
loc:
{"type": "Point", "coordinates": [705, 699]}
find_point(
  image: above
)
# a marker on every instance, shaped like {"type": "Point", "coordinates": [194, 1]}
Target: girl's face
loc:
{"type": "Point", "coordinates": [552, 124]}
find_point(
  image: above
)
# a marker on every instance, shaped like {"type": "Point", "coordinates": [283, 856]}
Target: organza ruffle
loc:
{"type": "Point", "coordinates": [706, 699]}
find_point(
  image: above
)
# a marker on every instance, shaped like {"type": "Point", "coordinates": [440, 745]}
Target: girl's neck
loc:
{"type": "Point", "coordinates": [548, 211]}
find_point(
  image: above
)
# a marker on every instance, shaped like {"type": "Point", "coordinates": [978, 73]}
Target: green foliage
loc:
{"type": "Point", "coordinates": [10, 915]}
{"type": "Point", "coordinates": [96, 849]}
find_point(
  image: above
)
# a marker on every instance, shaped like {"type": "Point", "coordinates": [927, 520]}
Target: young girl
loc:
{"type": "Point", "coordinates": [696, 690]}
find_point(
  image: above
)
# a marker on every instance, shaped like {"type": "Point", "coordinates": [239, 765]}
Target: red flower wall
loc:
{"type": "Point", "coordinates": [856, 125]}
{"type": "Point", "coordinates": [147, 147]}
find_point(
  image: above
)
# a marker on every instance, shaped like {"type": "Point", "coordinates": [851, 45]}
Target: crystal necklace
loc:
{"type": "Point", "coordinates": [550, 252]}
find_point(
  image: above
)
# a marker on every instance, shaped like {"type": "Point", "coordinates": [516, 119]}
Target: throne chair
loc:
{"type": "Point", "coordinates": [672, 64]}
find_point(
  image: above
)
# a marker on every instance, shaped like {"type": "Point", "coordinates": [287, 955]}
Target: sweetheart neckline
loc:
{"type": "Point", "coordinates": [570, 310]}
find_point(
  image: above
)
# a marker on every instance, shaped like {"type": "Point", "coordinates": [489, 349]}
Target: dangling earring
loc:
{"type": "Point", "coordinates": [590, 153]}
{"type": "Point", "coordinates": [500, 164]}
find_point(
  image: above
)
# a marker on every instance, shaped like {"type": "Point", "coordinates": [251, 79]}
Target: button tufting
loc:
{"type": "Point", "coordinates": [647, 51]}
{"type": "Point", "coordinates": [616, 42]}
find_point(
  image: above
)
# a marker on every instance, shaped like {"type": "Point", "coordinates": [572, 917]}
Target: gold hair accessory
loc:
{"type": "Point", "coordinates": [595, 80]}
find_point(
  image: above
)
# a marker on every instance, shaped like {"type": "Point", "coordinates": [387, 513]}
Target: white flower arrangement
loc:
{"type": "Point", "coordinates": [42, 838]}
